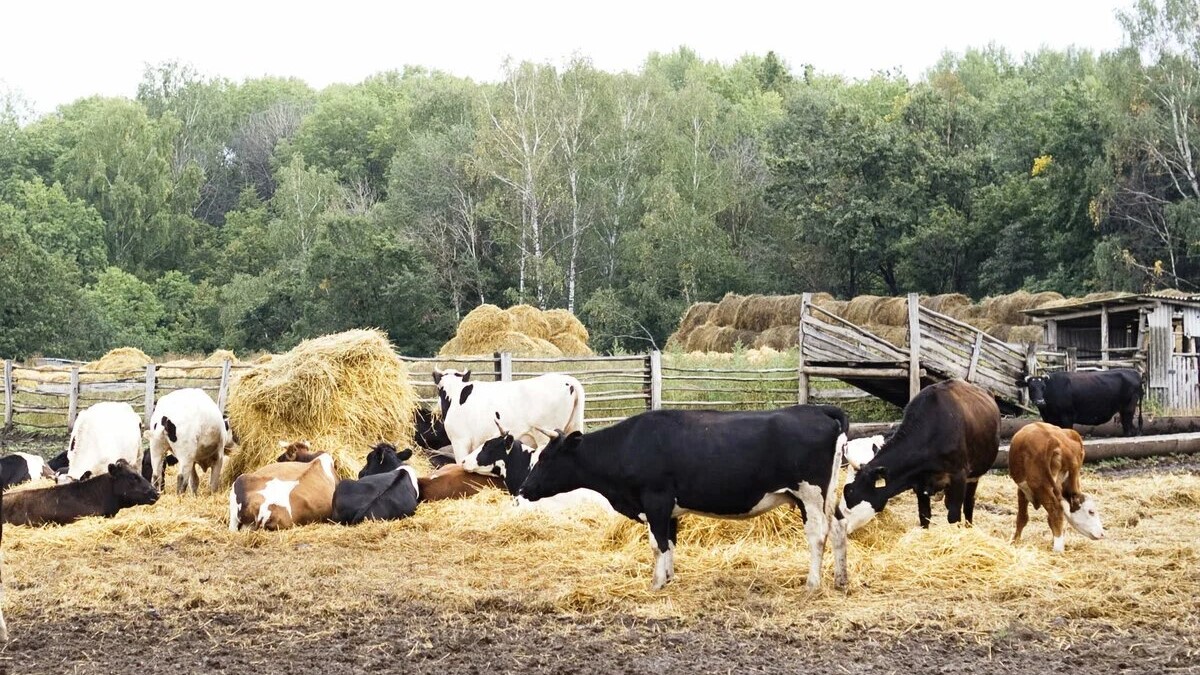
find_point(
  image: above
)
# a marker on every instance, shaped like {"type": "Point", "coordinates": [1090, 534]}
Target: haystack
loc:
{"type": "Point", "coordinates": [696, 315]}
{"type": "Point", "coordinates": [727, 339]}
{"type": "Point", "coordinates": [564, 322]}
{"type": "Point", "coordinates": [1009, 309]}
{"type": "Point", "coordinates": [570, 345]}
{"type": "Point", "coordinates": [726, 311]}
{"type": "Point", "coordinates": [778, 337]}
{"type": "Point", "coordinates": [860, 309]}
{"type": "Point", "coordinates": [480, 327]}
{"type": "Point", "coordinates": [945, 303]}
{"type": "Point", "coordinates": [1026, 334]}
{"type": "Point", "coordinates": [755, 312]}
{"type": "Point", "coordinates": [701, 339]}
{"type": "Point", "coordinates": [891, 312]}
{"type": "Point", "coordinates": [529, 320]}
{"type": "Point", "coordinates": [835, 307]}
{"type": "Point", "coordinates": [897, 335]}
{"type": "Point", "coordinates": [342, 392]}
{"type": "Point", "coordinates": [120, 360]}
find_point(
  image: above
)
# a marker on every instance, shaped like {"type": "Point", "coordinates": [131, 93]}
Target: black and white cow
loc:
{"type": "Point", "coordinates": [20, 467]}
{"type": "Point", "coordinates": [1067, 399]}
{"type": "Point", "coordinates": [949, 437]}
{"type": "Point", "coordinates": [383, 458]}
{"type": "Point", "coordinates": [659, 465]}
{"type": "Point", "coordinates": [430, 435]}
{"type": "Point", "coordinates": [390, 495]}
{"type": "Point", "coordinates": [550, 401]}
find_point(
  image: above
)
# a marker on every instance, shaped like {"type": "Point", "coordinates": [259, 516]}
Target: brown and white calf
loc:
{"type": "Point", "coordinates": [283, 495]}
{"type": "Point", "coordinates": [1044, 461]}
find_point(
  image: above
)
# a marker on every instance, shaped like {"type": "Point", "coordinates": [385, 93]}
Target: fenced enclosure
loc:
{"type": "Point", "coordinates": [46, 399]}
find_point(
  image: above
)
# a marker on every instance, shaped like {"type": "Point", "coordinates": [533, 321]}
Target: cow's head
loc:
{"type": "Point", "coordinates": [296, 451]}
{"type": "Point", "coordinates": [129, 487]}
{"type": "Point", "coordinates": [859, 451]}
{"type": "Point", "coordinates": [1037, 389]}
{"type": "Point", "coordinates": [492, 457]}
{"type": "Point", "coordinates": [864, 496]}
{"type": "Point", "coordinates": [1084, 516]}
{"type": "Point", "coordinates": [443, 378]}
{"type": "Point", "coordinates": [557, 469]}
{"type": "Point", "coordinates": [383, 458]}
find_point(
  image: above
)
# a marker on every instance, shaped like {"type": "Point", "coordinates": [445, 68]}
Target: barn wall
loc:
{"type": "Point", "coordinates": [1158, 352]}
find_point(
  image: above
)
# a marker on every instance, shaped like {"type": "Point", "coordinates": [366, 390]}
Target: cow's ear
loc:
{"type": "Point", "coordinates": [113, 468]}
{"type": "Point", "coordinates": [466, 376]}
{"type": "Point", "coordinates": [437, 376]}
{"type": "Point", "coordinates": [573, 440]}
{"type": "Point", "coordinates": [509, 441]}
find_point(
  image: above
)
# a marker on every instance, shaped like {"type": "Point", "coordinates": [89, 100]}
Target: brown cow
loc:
{"type": "Point", "coordinates": [296, 451]}
{"type": "Point", "coordinates": [949, 437]}
{"type": "Point", "coordinates": [102, 495]}
{"type": "Point", "coordinates": [1044, 462]}
{"type": "Point", "coordinates": [283, 495]}
{"type": "Point", "coordinates": [454, 482]}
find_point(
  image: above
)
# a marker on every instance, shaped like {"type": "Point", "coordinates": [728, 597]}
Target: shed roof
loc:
{"type": "Point", "coordinates": [1123, 300]}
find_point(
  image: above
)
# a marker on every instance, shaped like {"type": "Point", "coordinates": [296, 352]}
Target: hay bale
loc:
{"type": "Point", "coordinates": [701, 339]}
{"type": "Point", "coordinates": [570, 345]}
{"type": "Point", "coordinates": [520, 344]}
{"type": "Point", "coordinates": [343, 393]}
{"type": "Point", "coordinates": [755, 313]}
{"type": "Point", "coordinates": [897, 335]}
{"type": "Point", "coordinates": [696, 315]}
{"type": "Point", "coordinates": [120, 360]}
{"type": "Point", "coordinates": [890, 312]}
{"type": "Point", "coordinates": [562, 321]}
{"type": "Point", "coordinates": [787, 308]}
{"type": "Point", "coordinates": [778, 337]}
{"type": "Point", "coordinates": [860, 309]}
{"type": "Point", "coordinates": [1009, 309]}
{"type": "Point", "coordinates": [453, 347]}
{"type": "Point", "coordinates": [1026, 334]}
{"type": "Point", "coordinates": [726, 311]}
{"type": "Point", "coordinates": [481, 326]}
{"type": "Point", "coordinates": [727, 339]}
{"type": "Point", "coordinates": [835, 307]}
{"type": "Point", "coordinates": [529, 320]}
{"type": "Point", "coordinates": [945, 303]}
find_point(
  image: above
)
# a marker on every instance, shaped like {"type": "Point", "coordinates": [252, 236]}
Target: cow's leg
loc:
{"type": "Point", "coordinates": [815, 529]}
{"type": "Point", "coordinates": [658, 518]}
{"type": "Point", "coordinates": [673, 536]}
{"type": "Point", "coordinates": [214, 477]}
{"type": "Point", "coordinates": [194, 479]}
{"type": "Point", "coordinates": [1022, 514]}
{"type": "Point", "coordinates": [186, 477]}
{"type": "Point", "coordinates": [1054, 514]}
{"type": "Point", "coordinates": [924, 509]}
{"type": "Point", "coordinates": [955, 493]}
{"type": "Point", "coordinates": [969, 500]}
{"type": "Point", "coordinates": [1127, 420]}
{"type": "Point", "coordinates": [158, 468]}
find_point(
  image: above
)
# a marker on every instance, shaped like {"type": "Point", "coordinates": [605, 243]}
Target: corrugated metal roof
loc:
{"type": "Point", "coordinates": [1123, 299]}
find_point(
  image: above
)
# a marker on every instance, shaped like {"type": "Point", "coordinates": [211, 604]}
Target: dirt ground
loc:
{"type": "Point", "coordinates": [415, 639]}
{"type": "Point", "coordinates": [501, 636]}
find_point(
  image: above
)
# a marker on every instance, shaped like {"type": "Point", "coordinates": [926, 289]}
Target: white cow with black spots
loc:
{"type": "Point", "coordinates": [103, 434]}
{"type": "Point", "coordinates": [470, 409]}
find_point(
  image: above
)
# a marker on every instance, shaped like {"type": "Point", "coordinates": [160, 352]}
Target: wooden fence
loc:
{"type": "Point", "coordinates": [48, 400]}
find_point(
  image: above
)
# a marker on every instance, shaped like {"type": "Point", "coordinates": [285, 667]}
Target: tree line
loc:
{"type": "Point", "coordinates": [207, 213]}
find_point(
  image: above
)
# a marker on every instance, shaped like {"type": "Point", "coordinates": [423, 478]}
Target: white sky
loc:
{"type": "Point", "coordinates": [55, 52]}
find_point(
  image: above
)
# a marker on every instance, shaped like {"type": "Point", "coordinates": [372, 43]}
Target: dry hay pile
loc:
{"type": "Point", "coordinates": [521, 330]}
{"type": "Point", "coordinates": [967, 582]}
{"type": "Point", "coordinates": [207, 368]}
{"type": "Point", "coordinates": [343, 393]}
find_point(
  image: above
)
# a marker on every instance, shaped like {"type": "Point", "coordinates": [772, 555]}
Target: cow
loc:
{"type": "Point", "coordinates": [283, 495]}
{"type": "Point", "coordinates": [512, 459]}
{"type": "Point", "coordinates": [1044, 461]}
{"type": "Point", "coordinates": [296, 451]}
{"type": "Point", "coordinates": [104, 494]}
{"type": "Point", "coordinates": [1067, 399]}
{"type": "Point", "coordinates": [59, 463]}
{"type": "Point", "coordinates": [188, 424]}
{"type": "Point", "coordinates": [948, 438]}
{"type": "Point", "coordinates": [658, 465]}
{"type": "Point", "coordinates": [103, 434]}
{"type": "Point", "coordinates": [859, 451]}
{"type": "Point", "coordinates": [550, 401]}
{"type": "Point", "coordinates": [390, 495]}
{"type": "Point", "coordinates": [430, 435]}
{"type": "Point", "coordinates": [446, 482]}
{"type": "Point", "coordinates": [20, 467]}
{"type": "Point", "coordinates": [3, 623]}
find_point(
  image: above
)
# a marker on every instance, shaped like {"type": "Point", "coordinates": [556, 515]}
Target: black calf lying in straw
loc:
{"type": "Point", "coordinates": [379, 493]}
{"type": "Point", "coordinates": [103, 495]}
{"type": "Point", "coordinates": [658, 465]}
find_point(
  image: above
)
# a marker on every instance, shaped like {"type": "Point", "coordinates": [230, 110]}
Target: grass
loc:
{"type": "Point", "coordinates": [468, 555]}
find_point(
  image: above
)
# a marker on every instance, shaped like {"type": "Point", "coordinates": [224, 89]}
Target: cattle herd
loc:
{"type": "Point", "coordinates": [527, 438]}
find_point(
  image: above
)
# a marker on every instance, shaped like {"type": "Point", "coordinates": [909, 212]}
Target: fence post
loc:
{"type": "Point", "coordinates": [8, 394]}
{"type": "Point", "coordinates": [223, 390]}
{"type": "Point", "coordinates": [497, 369]}
{"type": "Point", "coordinates": [1072, 359]}
{"type": "Point", "coordinates": [654, 359]}
{"type": "Point", "coordinates": [801, 376]}
{"type": "Point", "coordinates": [914, 346]}
{"type": "Point", "coordinates": [1031, 365]}
{"type": "Point", "coordinates": [149, 394]}
{"type": "Point", "coordinates": [73, 398]}
{"type": "Point", "coordinates": [975, 352]}
{"type": "Point", "coordinates": [505, 367]}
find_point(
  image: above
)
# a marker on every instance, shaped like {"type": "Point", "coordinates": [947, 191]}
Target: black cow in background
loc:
{"type": "Point", "coordinates": [1067, 399]}
{"type": "Point", "coordinates": [58, 463]}
{"type": "Point", "coordinates": [430, 435]}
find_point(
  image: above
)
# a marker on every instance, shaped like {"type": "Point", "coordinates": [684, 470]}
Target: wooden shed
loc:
{"type": "Point", "coordinates": [1157, 333]}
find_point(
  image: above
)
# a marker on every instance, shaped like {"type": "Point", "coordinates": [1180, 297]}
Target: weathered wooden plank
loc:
{"type": "Point", "coordinates": [802, 383]}
{"type": "Point", "coordinates": [975, 352]}
{"type": "Point", "coordinates": [867, 346]}
{"type": "Point", "coordinates": [8, 394]}
{"type": "Point", "coordinates": [149, 399]}
{"type": "Point", "coordinates": [656, 380]}
{"type": "Point", "coordinates": [73, 401]}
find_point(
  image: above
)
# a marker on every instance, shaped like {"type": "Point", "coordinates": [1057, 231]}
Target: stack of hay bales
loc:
{"type": "Point", "coordinates": [521, 330]}
{"type": "Point", "coordinates": [207, 368]}
{"type": "Point", "coordinates": [772, 321]}
{"type": "Point", "coordinates": [343, 393]}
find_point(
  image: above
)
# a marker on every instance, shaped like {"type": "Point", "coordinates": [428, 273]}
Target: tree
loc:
{"type": "Point", "coordinates": [128, 312]}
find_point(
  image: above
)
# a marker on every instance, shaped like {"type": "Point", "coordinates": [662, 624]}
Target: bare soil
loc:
{"type": "Point", "coordinates": [414, 639]}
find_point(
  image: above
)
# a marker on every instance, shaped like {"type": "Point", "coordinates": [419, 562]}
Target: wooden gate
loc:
{"type": "Point", "coordinates": [1183, 383]}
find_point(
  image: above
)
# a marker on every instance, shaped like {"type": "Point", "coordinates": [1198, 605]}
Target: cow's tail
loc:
{"type": "Point", "coordinates": [839, 450]}
{"type": "Point", "coordinates": [578, 400]}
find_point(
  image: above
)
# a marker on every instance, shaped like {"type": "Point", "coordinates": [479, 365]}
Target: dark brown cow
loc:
{"type": "Point", "coordinates": [283, 495]}
{"type": "Point", "coordinates": [296, 451]}
{"type": "Point", "coordinates": [454, 482]}
{"type": "Point", "coordinates": [1044, 461]}
{"type": "Point", "coordinates": [949, 437]}
{"type": "Point", "coordinates": [102, 495]}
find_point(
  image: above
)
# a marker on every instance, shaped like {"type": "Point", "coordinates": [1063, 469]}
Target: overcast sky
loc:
{"type": "Point", "coordinates": [55, 52]}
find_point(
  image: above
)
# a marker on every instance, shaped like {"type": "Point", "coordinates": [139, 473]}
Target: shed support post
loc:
{"type": "Point", "coordinates": [73, 399]}
{"type": "Point", "coordinates": [654, 359]}
{"type": "Point", "coordinates": [149, 402]}
{"type": "Point", "coordinates": [802, 377]}
{"type": "Point", "coordinates": [914, 346]}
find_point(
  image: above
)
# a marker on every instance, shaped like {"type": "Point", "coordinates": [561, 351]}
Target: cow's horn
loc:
{"type": "Point", "coordinates": [548, 433]}
{"type": "Point", "coordinates": [500, 428]}
{"type": "Point", "coordinates": [853, 464]}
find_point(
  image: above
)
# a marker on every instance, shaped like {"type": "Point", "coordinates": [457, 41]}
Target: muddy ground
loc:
{"type": "Point", "coordinates": [414, 638]}
{"type": "Point", "coordinates": [420, 640]}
